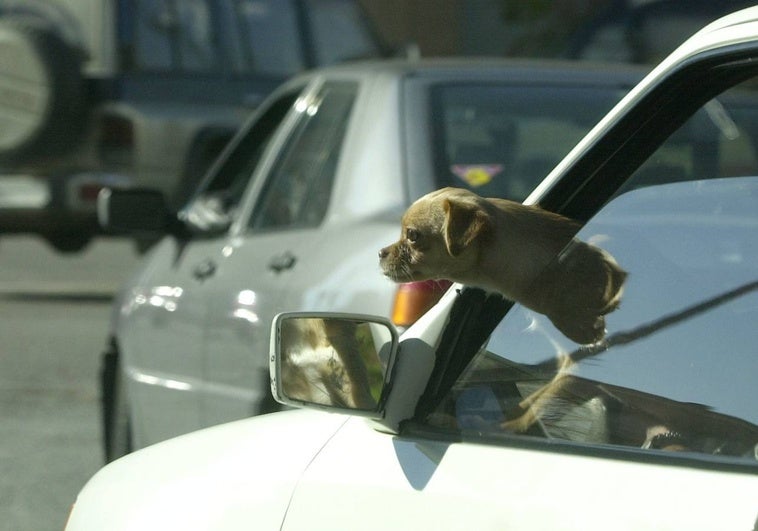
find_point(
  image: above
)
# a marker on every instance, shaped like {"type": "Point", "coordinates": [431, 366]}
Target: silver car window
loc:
{"type": "Point", "coordinates": [297, 191]}
{"type": "Point", "coordinates": [215, 203]}
{"type": "Point", "coordinates": [676, 369]}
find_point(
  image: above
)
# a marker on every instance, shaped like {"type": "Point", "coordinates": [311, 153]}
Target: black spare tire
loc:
{"type": "Point", "coordinates": [42, 97]}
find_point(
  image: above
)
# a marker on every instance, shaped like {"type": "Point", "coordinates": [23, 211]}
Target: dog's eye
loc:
{"type": "Point", "coordinates": [411, 235]}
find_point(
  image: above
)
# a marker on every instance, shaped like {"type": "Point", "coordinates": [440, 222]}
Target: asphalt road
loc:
{"type": "Point", "coordinates": [54, 311]}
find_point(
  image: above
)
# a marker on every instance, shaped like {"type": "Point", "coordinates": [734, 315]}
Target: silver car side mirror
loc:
{"type": "Point", "coordinates": [338, 362]}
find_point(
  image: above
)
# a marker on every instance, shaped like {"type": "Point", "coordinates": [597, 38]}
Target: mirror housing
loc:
{"type": "Point", "coordinates": [136, 210]}
{"type": "Point", "coordinates": [330, 361]}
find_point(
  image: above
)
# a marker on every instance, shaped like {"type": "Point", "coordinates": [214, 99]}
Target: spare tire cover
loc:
{"type": "Point", "coordinates": [42, 99]}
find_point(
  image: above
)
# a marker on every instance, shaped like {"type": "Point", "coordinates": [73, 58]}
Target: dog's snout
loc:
{"type": "Point", "coordinates": [384, 253]}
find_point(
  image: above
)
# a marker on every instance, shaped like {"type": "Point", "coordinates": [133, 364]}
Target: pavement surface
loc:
{"type": "Point", "coordinates": [54, 312]}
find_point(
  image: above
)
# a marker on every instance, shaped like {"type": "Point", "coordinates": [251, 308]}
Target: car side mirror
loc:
{"type": "Point", "coordinates": [133, 211]}
{"type": "Point", "coordinates": [337, 362]}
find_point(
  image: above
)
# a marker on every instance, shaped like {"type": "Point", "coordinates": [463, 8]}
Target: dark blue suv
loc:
{"type": "Point", "coordinates": [142, 93]}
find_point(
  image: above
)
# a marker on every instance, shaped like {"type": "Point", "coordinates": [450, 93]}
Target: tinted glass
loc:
{"type": "Point", "coordinates": [173, 35]}
{"type": "Point", "coordinates": [298, 189]}
{"type": "Point", "coordinates": [718, 141]}
{"type": "Point", "coordinates": [215, 204]}
{"type": "Point", "coordinates": [196, 35]}
{"type": "Point", "coordinates": [676, 368]}
{"type": "Point", "coordinates": [152, 43]}
{"type": "Point", "coordinates": [269, 36]}
{"type": "Point", "coordinates": [502, 141]}
{"type": "Point", "coordinates": [339, 31]}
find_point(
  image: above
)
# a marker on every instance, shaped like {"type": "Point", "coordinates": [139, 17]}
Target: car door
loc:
{"type": "Point", "coordinates": [161, 334]}
{"type": "Point", "coordinates": [656, 428]}
{"type": "Point", "coordinates": [273, 243]}
{"type": "Point", "coordinates": [653, 427]}
{"type": "Point", "coordinates": [165, 314]}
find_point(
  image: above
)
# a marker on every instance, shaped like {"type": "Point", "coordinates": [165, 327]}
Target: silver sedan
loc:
{"type": "Point", "coordinates": [294, 212]}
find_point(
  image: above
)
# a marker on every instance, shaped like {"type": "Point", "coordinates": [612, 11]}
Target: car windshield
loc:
{"type": "Point", "coordinates": [674, 367]}
{"type": "Point", "coordinates": [501, 141]}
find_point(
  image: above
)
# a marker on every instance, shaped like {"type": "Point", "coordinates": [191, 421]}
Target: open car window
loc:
{"type": "Point", "coordinates": [216, 202]}
{"type": "Point", "coordinates": [297, 192]}
{"type": "Point", "coordinates": [676, 368]}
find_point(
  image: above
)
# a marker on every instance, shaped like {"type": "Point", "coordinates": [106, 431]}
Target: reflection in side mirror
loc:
{"type": "Point", "coordinates": [334, 361]}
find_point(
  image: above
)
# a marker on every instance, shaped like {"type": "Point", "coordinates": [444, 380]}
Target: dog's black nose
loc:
{"type": "Point", "coordinates": [383, 253]}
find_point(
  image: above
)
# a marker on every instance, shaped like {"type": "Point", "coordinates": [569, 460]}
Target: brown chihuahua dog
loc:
{"type": "Point", "coordinates": [526, 254]}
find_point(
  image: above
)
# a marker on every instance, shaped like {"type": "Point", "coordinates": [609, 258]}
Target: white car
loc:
{"type": "Point", "coordinates": [482, 415]}
{"type": "Point", "coordinates": [298, 225]}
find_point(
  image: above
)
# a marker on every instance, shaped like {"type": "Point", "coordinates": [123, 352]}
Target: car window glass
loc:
{"type": "Point", "coordinates": [720, 140]}
{"type": "Point", "coordinates": [218, 198]}
{"type": "Point", "coordinates": [675, 371]}
{"type": "Point", "coordinates": [339, 31]}
{"type": "Point", "coordinates": [173, 35]}
{"type": "Point", "coordinates": [231, 36]}
{"type": "Point", "coordinates": [298, 189]}
{"type": "Point", "coordinates": [152, 45]}
{"type": "Point", "coordinates": [502, 141]}
{"type": "Point", "coordinates": [270, 36]}
{"type": "Point", "coordinates": [195, 28]}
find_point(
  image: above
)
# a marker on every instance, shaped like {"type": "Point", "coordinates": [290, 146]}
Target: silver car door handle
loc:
{"type": "Point", "coordinates": [205, 269]}
{"type": "Point", "coordinates": [282, 262]}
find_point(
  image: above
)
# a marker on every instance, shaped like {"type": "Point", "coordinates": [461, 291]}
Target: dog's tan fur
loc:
{"type": "Point", "coordinates": [525, 253]}
{"type": "Point", "coordinates": [320, 363]}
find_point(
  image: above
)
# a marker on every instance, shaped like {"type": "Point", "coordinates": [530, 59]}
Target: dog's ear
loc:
{"type": "Point", "coordinates": [464, 221]}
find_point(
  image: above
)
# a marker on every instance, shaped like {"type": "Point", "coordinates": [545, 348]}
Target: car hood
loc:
{"type": "Point", "coordinates": [216, 478]}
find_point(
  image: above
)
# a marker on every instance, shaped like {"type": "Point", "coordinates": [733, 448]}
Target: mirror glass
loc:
{"type": "Point", "coordinates": [335, 361]}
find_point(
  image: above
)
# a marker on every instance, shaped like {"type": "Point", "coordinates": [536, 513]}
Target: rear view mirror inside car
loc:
{"type": "Point", "coordinates": [338, 362]}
